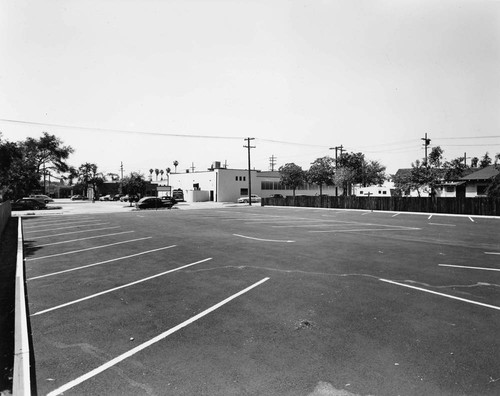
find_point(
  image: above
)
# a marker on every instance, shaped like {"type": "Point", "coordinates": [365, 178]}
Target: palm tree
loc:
{"type": "Point", "coordinates": [168, 175]}
{"type": "Point", "coordinates": [157, 172]}
{"type": "Point", "coordinates": [175, 164]}
{"type": "Point", "coordinates": [151, 174]}
{"type": "Point", "coordinates": [161, 173]}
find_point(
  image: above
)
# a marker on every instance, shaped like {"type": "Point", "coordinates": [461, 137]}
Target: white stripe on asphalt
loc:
{"type": "Point", "coordinates": [146, 344]}
{"type": "Point", "coordinates": [45, 224]}
{"type": "Point", "coordinates": [445, 225]}
{"type": "Point", "coordinates": [80, 239]}
{"type": "Point", "coordinates": [471, 219]}
{"type": "Point", "coordinates": [76, 232]}
{"type": "Point", "coordinates": [396, 215]}
{"type": "Point", "coordinates": [442, 294]}
{"type": "Point", "coordinates": [84, 250]}
{"type": "Point", "coordinates": [263, 240]}
{"type": "Point", "coordinates": [100, 263]}
{"type": "Point", "coordinates": [118, 288]}
{"type": "Point", "coordinates": [468, 267]}
{"type": "Point", "coordinates": [370, 229]}
{"type": "Point", "coordinates": [491, 252]}
{"type": "Point", "coordinates": [65, 228]}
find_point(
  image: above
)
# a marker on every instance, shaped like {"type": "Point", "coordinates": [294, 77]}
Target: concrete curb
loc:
{"type": "Point", "coordinates": [21, 384]}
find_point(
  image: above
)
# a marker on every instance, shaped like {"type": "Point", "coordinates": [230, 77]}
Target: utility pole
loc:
{"type": "Point", "coordinates": [192, 167]}
{"type": "Point", "coordinates": [121, 169]}
{"type": "Point", "coordinates": [249, 170]}
{"type": "Point", "coordinates": [426, 143]}
{"type": "Point", "coordinates": [272, 162]}
{"type": "Point", "coordinates": [340, 148]}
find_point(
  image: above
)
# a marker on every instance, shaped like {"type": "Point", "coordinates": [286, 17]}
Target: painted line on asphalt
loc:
{"type": "Point", "coordinates": [428, 218]}
{"type": "Point", "coordinates": [370, 229]}
{"type": "Point", "coordinates": [65, 228]}
{"type": "Point", "coordinates": [471, 219]}
{"type": "Point", "coordinates": [442, 294]}
{"type": "Point", "coordinates": [303, 225]}
{"type": "Point", "coordinates": [84, 250]}
{"type": "Point", "coordinates": [263, 240]}
{"type": "Point", "coordinates": [397, 214]}
{"type": "Point", "coordinates": [152, 341]}
{"type": "Point", "coordinates": [45, 224]}
{"type": "Point", "coordinates": [76, 232]}
{"type": "Point", "coordinates": [491, 252]}
{"type": "Point", "coordinates": [444, 225]}
{"type": "Point", "coordinates": [469, 267]}
{"type": "Point", "coordinates": [79, 239]}
{"type": "Point", "coordinates": [101, 262]}
{"type": "Point", "coordinates": [118, 288]}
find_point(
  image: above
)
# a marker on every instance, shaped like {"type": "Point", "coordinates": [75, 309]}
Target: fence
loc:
{"type": "Point", "coordinates": [467, 206]}
{"type": "Point", "coordinates": [5, 211]}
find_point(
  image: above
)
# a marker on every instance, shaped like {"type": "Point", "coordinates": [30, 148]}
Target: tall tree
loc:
{"type": "Point", "coordinates": [322, 172]}
{"type": "Point", "coordinates": [134, 184]}
{"type": "Point", "coordinates": [47, 152]}
{"type": "Point", "coordinates": [175, 163]}
{"type": "Point", "coordinates": [157, 172]}
{"type": "Point", "coordinates": [292, 176]}
{"type": "Point", "coordinates": [89, 177]}
{"type": "Point", "coordinates": [485, 161]}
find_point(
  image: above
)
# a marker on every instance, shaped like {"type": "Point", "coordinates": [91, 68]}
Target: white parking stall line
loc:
{"type": "Point", "coordinates": [80, 239]}
{"type": "Point", "coordinates": [101, 263]}
{"type": "Point", "coordinates": [119, 287]}
{"type": "Point", "coordinates": [469, 267]}
{"type": "Point", "coordinates": [84, 250]}
{"type": "Point", "coordinates": [491, 252]}
{"type": "Point", "coordinates": [397, 214]}
{"type": "Point", "coordinates": [430, 217]}
{"type": "Point", "coordinates": [65, 228]}
{"type": "Point", "coordinates": [471, 219]}
{"type": "Point", "coordinates": [76, 232]}
{"type": "Point", "coordinates": [370, 229]}
{"type": "Point", "coordinates": [442, 294]}
{"type": "Point", "coordinates": [147, 344]}
{"type": "Point", "coordinates": [46, 223]}
{"type": "Point", "coordinates": [443, 225]}
{"type": "Point", "coordinates": [263, 240]}
{"type": "Point", "coordinates": [303, 225]}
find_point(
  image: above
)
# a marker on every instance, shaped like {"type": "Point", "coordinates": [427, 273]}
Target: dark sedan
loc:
{"type": "Point", "coordinates": [28, 204]}
{"type": "Point", "coordinates": [154, 203]}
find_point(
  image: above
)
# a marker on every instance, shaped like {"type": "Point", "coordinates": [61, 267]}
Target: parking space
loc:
{"type": "Point", "coordinates": [262, 300]}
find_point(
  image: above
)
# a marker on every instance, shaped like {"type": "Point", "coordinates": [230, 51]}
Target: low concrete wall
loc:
{"type": "Point", "coordinates": [21, 383]}
{"type": "Point", "coordinates": [5, 211]}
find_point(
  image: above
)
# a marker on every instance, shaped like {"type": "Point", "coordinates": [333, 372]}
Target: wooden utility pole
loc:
{"type": "Point", "coordinates": [249, 170]}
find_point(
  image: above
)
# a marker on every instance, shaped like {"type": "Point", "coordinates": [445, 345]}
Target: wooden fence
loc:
{"type": "Point", "coordinates": [467, 206]}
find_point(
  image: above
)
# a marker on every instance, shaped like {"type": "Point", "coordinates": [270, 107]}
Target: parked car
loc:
{"type": "Point", "coordinates": [42, 198]}
{"type": "Point", "coordinates": [154, 202]}
{"type": "Point", "coordinates": [276, 196]}
{"type": "Point", "coordinates": [131, 198]}
{"type": "Point", "coordinates": [28, 204]}
{"type": "Point", "coordinates": [117, 197]}
{"type": "Point", "coordinates": [168, 201]}
{"type": "Point", "coordinates": [105, 198]}
{"type": "Point", "coordinates": [255, 198]}
{"type": "Point", "coordinates": [79, 197]}
{"type": "Point", "coordinates": [178, 195]}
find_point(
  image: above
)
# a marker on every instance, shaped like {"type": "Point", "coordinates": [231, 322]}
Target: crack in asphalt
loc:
{"type": "Point", "coordinates": [240, 267]}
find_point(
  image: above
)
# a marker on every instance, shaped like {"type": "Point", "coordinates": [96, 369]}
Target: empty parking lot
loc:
{"type": "Point", "coordinates": [263, 300]}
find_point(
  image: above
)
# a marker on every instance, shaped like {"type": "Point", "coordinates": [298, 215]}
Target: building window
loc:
{"type": "Point", "coordinates": [244, 178]}
{"type": "Point", "coordinates": [384, 192]}
{"type": "Point", "coordinates": [243, 191]}
{"type": "Point", "coordinates": [236, 178]}
{"type": "Point", "coordinates": [361, 192]}
{"type": "Point", "coordinates": [450, 189]}
{"type": "Point", "coordinates": [481, 189]}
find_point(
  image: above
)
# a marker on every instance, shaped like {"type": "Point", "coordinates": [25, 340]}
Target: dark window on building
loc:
{"type": "Point", "coordinates": [481, 189]}
{"type": "Point", "coordinates": [244, 191]}
{"type": "Point", "coordinates": [450, 189]}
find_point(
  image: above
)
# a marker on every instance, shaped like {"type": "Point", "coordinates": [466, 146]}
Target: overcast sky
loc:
{"type": "Point", "coordinates": [299, 76]}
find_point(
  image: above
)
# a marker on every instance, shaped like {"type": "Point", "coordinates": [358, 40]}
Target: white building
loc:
{"type": "Point", "coordinates": [227, 185]}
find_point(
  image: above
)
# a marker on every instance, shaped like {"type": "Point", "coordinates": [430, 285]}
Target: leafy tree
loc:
{"type": "Point", "coordinates": [485, 161]}
{"type": "Point", "coordinates": [134, 184]}
{"type": "Point", "coordinates": [292, 176]}
{"type": "Point", "coordinates": [474, 161]}
{"type": "Point", "coordinates": [89, 177]}
{"type": "Point", "coordinates": [321, 172]}
{"type": "Point", "coordinates": [421, 176]}
{"type": "Point", "coordinates": [493, 189]}
{"type": "Point", "coordinates": [354, 168]}
{"type": "Point", "coordinates": [454, 169]}
{"type": "Point", "coordinates": [435, 157]}
{"type": "Point", "coordinates": [23, 164]}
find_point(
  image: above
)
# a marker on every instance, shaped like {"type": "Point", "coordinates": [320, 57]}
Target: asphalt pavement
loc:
{"type": "Point", "coordinates": [232, 299]}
